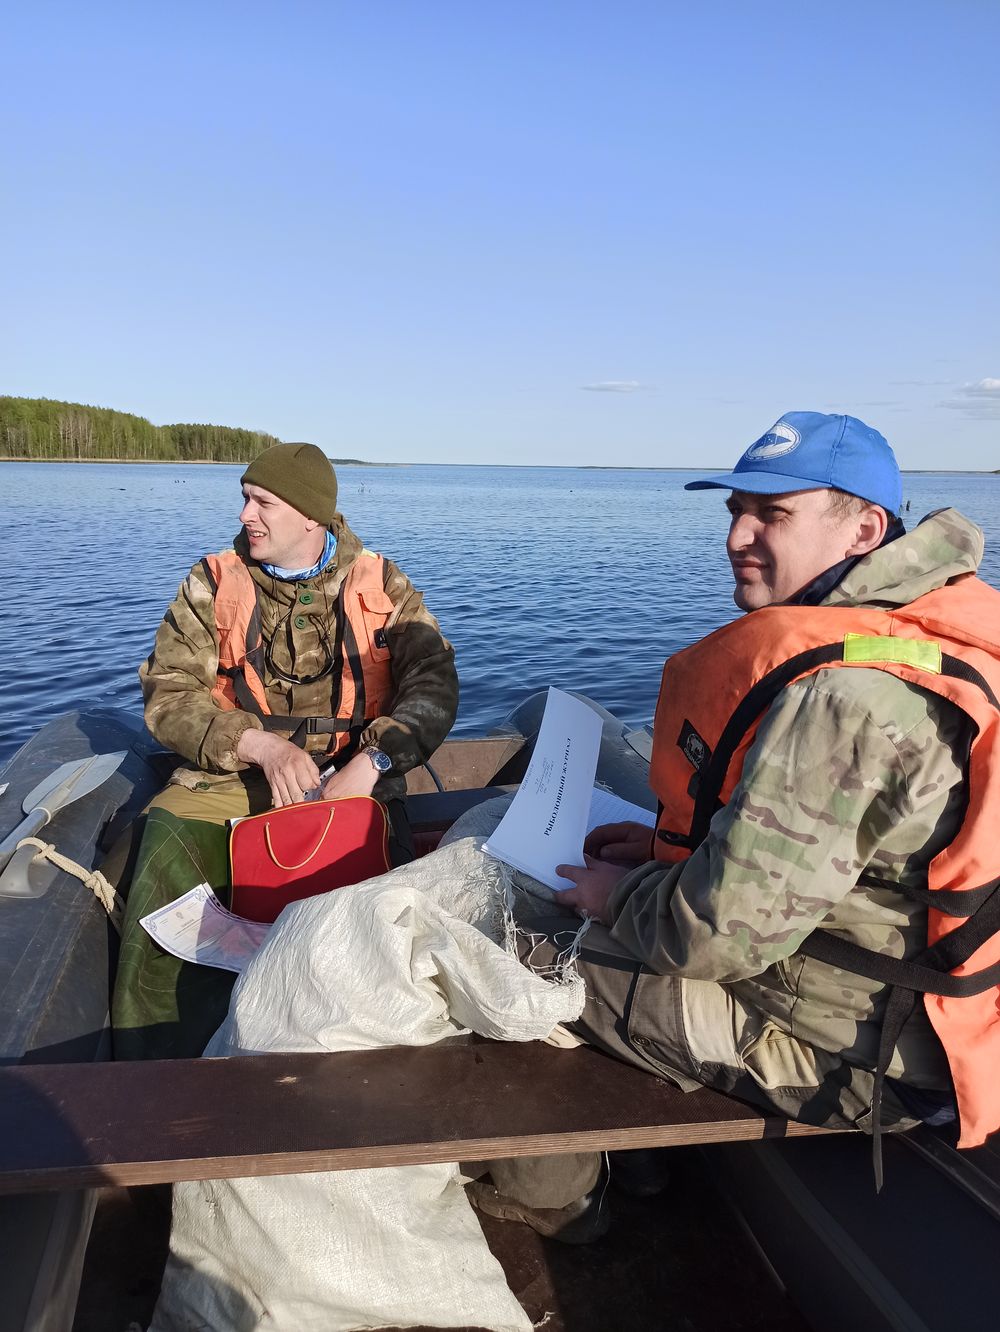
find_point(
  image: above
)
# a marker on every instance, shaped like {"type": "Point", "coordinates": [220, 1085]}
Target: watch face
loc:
{"type": "Point", "coordinates": [381, 760]}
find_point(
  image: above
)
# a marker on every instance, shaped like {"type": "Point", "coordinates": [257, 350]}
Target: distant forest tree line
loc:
{"type": "Point", "coordinates": [41, 428]}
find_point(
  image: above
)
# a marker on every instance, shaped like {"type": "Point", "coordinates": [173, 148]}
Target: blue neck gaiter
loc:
{"type": "Point", "coordinates": [298, 575]}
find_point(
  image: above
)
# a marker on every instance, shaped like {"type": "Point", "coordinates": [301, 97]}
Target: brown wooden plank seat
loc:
{"type": "Point", "coordinates": [70, 1126]}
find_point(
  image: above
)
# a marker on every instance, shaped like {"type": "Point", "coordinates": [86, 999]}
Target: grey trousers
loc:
{"type": "Point", "coordinates": [681, 1030]}
{"type": "Point", "coordinates": [622, 1016]}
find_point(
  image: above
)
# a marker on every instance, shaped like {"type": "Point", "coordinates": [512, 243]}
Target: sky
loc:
{"type": "Point", "coordinates": [538, 231]}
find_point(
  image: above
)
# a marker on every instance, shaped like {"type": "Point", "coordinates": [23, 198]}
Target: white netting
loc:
{"type": "Point", "coordinates": [412, 957]}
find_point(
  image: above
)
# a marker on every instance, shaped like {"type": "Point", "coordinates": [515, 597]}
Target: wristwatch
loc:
{"type": "Point", "coordinates": [381, 761]}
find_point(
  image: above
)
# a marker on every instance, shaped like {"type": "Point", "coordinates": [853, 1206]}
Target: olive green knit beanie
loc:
{"type": "Point", "coordinates": [300, 474]}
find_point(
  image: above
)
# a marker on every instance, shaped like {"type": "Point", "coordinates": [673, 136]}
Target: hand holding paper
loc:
{"type": "Point", "coordinates": [593, 886]}
{"type": "Point", "coordinates": [557, 802]}
{"type": "Point", "coordinates": [627, 843]}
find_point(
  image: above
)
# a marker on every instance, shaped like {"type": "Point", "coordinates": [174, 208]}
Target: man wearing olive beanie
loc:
{"type": "Point", "coordinates": [351, 676]}
{"type": "Point", "coordinates": [300, 474]}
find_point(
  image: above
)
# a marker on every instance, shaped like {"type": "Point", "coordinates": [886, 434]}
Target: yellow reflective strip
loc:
{"type": "Point", "coordinates": [920, 653]}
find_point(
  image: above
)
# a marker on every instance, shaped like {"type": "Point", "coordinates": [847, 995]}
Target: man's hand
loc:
{"type": "Point", "coordinates": [626, 843]}
{"type": "Point", "coordinates": [289, 770]}
{"type": "Point", "coordinates": [356, 778]}
{"type": "Point", "coordinates": [594, 885]}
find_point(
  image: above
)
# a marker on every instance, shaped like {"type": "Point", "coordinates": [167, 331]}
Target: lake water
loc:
{"type": "Point", "coordinates": [579, 578]}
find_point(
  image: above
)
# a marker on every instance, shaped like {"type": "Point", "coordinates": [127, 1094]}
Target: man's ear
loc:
{"type": "Point", "coordinates": [871, 526]}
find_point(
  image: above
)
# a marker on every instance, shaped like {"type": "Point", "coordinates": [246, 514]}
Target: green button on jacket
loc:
{"type": "Point", "coordinates": [300, 621]}
{"type": "Point", "coordinates": [306, 598]}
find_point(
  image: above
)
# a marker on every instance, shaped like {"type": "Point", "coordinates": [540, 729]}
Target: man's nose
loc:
{"type": "Point", "coordinates": [742, 532]}
{"type": "Point", "coordinates": [247, 511]}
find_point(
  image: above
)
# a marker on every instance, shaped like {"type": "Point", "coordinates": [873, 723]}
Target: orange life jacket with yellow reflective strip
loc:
{"type": "Point", "coordinates": [366, 685]}
{"type": "Point", "coordinates": [712, 698]}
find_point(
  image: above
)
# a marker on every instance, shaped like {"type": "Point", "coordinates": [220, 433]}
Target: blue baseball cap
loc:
{"type": "Point", "coordinates": [811, 451]}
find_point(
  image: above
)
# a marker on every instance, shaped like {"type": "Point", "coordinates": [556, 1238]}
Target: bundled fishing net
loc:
{"type": "Point", "coordinates": [423, 953]}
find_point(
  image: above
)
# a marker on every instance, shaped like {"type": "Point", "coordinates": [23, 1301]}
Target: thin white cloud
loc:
{"type": "Point", "coordinates": [613, 386]}
{"type": "Point", "coordinates": [980, 401]}
{"type": "Point", "coordinates": [983, 388]}
{"type": "Point", "coordinates": [920, 383]}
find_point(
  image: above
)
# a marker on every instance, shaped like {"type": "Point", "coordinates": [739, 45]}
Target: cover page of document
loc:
{"type": "Point", "coordinates": [547, 820]}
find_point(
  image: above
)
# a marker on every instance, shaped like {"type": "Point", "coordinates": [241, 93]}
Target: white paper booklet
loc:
{"type": "Point", "coordinates": [547, 819]}
{"type": "Point", "coordinates": [606, 807]}
{"type": "Point", "coordinates": [198, 928]}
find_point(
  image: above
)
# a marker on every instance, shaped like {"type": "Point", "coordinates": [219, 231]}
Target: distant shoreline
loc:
{"type": "Point", "coordinates": [141, 462]}
{"type": "Point", "coordinates": [555, 467]}
{"type": "Point", "coordinates": [199, 462]}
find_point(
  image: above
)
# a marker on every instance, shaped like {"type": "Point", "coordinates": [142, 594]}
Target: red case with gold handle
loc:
{"type": "Point", "coordinates": [297, 851]}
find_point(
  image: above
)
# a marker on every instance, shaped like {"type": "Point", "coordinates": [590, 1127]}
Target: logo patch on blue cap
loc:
{"type": "Point", "coordinates": [779, 440]}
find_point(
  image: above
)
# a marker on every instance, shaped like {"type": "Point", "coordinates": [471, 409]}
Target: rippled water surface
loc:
{"type": "Point", "coordinates": [578, 578]}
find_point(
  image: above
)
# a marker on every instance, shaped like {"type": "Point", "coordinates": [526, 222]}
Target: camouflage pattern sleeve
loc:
{"type": "Point", "coordinates": [823, 787]}
{"type": "Point", "coordinates": [178, 678]}
{"type": "Point", "coordinates": [426, 684]}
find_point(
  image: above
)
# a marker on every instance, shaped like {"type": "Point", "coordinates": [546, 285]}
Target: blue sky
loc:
{"type": "Point", "coordinates": [529, 232]}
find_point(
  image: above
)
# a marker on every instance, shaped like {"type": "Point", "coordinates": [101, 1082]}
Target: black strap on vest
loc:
{"type": "Point", "coordinates": [756, 702]}
{"type": "Point", "coordinates": [961, 670]}
{"type": "Point", "coordinates": [207, 571]}
{"type": "Point", "coordinates": [928, 973]}
{"type": "Point", "coordinates": [949, 901]}
{"type": "Point", "coordinates": [347, 647]}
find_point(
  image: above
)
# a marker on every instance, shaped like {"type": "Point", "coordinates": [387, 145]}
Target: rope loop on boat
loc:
{"type": "Point", "coordinates": [92, 879]}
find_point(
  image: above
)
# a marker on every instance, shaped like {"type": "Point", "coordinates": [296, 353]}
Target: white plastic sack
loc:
{"type": "Point", "coordinates": [407, 958]}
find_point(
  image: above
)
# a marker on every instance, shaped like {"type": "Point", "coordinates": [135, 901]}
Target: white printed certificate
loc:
{"type": "Point", "coordinates": [547, 819]}
{"type": "Point", "coordinates": [198, 928]}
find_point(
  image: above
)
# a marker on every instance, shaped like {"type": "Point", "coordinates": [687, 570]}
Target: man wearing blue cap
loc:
{"type": "Point", "coordinates": [815, 491]}
{"type": "Point", "coordinates": [802, 807]}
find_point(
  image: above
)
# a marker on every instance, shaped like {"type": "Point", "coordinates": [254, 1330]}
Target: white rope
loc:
{"type": "Point", "coordinates": [92, 879]}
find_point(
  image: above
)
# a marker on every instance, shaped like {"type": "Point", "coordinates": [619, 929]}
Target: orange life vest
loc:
{"type": "Point", "coordinates": [365, 675]}
{"type": "Point", "coordinates": [712, 698]}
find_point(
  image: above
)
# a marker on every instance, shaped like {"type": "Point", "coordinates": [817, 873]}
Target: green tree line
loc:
{"type": "Point", "coordinates": [42, 428]}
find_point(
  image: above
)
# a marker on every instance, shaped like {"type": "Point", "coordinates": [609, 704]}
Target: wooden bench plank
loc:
{"type": "Point", "coordinates": [70, 1126]}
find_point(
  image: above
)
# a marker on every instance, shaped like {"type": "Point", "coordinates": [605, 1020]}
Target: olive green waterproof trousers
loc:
{"type": "Point", "coordinates": [163, 1008]}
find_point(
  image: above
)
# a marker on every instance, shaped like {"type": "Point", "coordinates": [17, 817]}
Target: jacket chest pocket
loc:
{"type": "Point", "coordinates": [376, 607]}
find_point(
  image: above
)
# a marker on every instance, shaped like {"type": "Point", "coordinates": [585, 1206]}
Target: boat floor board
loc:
{"type": "Point", "coordinates": [679, 1261]}
{"type": "Point", "coordinates": [73, 1126]}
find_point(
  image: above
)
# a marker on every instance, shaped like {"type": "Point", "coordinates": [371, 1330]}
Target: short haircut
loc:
{"type": "Point", "coordinates": [845, 505]}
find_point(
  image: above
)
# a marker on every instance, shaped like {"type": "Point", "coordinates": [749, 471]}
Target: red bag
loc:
{"type": "Point", "coordinates": [298, 851]}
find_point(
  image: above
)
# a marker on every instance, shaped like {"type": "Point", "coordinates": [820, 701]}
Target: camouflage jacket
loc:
{"type": "Point", "coordinates": [849, 770]}
{"type": "Point", "coordinates": [178, 678]}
